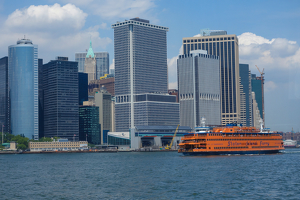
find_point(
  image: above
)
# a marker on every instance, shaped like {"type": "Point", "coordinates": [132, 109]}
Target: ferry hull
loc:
{"type": "Point", "coordinates": [229, 152]}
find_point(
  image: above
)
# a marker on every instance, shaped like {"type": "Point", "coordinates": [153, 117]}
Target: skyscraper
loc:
{"type": "Point", "coordinates": [141, 49]}
{"type": "Point", "coordinates": [103, 101]}
{"type": "Point", "coordinates": [41, 98]}
{"type": "Point", "coordinates": [199, 88]}
{"type": "Point", "coordinates": [90, 64]}
{"type": "Point", "coordinates": [89, 127]}
{"type": "Point", "coordinates": [246, 96]}
{"type": "Point", "coordinates": [256, 85]}
{"type": "Point", "coordinates": [60, 85]}
{"type": "Point", "coordinates": [4, 103]}
{"type": "Point", "coordinates": [226, 47]}
{"type": "Point", "coordinates": [141, 76]}
{"type": "Point", "coordinates": [83, 87]}
{"type": "Point", "coordinates": [102, 62]}
{"type": "Point", "coordinates": [23, 88]}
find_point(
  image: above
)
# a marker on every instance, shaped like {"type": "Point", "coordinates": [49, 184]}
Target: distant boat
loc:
{"type": "Point", "coordinates": [290, 144]}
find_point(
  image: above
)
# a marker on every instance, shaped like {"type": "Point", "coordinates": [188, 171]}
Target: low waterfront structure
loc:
{"type": "Point", "coordinates": [154, 137]}
{"type": "Point", "coordinates": [60, 145]}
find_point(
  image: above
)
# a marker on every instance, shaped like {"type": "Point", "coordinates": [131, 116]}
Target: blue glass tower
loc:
{"type": "Point", "coordinates": [23, 88]}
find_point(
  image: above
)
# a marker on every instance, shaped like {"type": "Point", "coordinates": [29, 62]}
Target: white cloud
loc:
{"type": "Point", "coordinates": [45, 18]}
{"type": "Point", "coordinates": [277, 53]}
{"type": "Point", "coordinates": [112, 65]}
{"type": "Point", "coordinates": [57, 30]}
{"type": "Point", "coordinates": [270, 86]}
{"type": "Point", "coordinates": [117, 9]}
{"type": "Point", "coordinates": [250, 38]}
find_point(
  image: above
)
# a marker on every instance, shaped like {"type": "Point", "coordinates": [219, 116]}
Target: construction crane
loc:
{"type": "Point", "coordinates": [262, 78]}
{"type": "Point", "coordinates": [169, 146]}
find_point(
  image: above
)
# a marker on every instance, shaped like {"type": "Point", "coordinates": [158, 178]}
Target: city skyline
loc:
{"type": "Point", "coordinates": [267, 37]}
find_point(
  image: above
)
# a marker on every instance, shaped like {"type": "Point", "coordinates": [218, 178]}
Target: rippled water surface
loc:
{"type": "Point", "coordinates": [150, 175]}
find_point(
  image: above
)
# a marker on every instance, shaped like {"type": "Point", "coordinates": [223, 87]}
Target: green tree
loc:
{"type": "Point", "coordinates": [22, 141]}
{"type": "Point", "coordinates": [45, 139]}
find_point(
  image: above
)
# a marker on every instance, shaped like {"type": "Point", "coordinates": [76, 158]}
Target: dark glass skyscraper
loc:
{"type": "Point", "coordinates": [60, 85]}
{"type": "Point", "coordinates": [41, 99]}
{"type": "Point", "coordinates": [89, 127]}
{"type": "Point", "coordinates": [257, 89]}
{"type": "Point", "coordinates": [83, 87]}
{"type": "Point", "coordinates": [226, 47]}
{"type": "Point", "coordinates": [23, 88]}
{"type": "Point", "coordinates": [4, 103]}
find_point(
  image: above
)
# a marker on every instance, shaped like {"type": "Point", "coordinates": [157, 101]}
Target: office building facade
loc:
{"type": "Point", "coordinates": [226, 47]}
{"type": "Point", "coordinates": [141, 77]}
{"type": "Point", "coordinates": [23, 88]}
{"type": "Point", "coordinates": [60, 85]}
{"type": "Point", "coordinates": [104, 102]}
{"type": "Point", "coordinates": [4, 100]}
{"type": "Point", "coordinates": [149, 110]}
{"type": "Point", "coordinates": [199, 88]}
{"type": "Point", "coordinates": [142, 47]}
{"type": "Point", "coordinates": [89, 127]}
{"type": "Point", "coordinates": [246, 96]}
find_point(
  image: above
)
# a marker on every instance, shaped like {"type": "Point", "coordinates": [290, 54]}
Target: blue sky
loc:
{"type": "Point", "coordinates": [268, 34]}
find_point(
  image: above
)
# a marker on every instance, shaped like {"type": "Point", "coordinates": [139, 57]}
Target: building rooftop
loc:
{"type": "Point", "coordinates": [90, 52]}
{"type": "Point", "coordinates": [24, 41]}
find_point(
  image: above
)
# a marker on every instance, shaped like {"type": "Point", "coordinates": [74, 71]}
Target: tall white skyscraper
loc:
{"type": "Point", "coordinates": [199, 88]}
{"type": "Point", "coordinates": [226, 47]}
{"type": "Point", "coordinates": [141, 76]}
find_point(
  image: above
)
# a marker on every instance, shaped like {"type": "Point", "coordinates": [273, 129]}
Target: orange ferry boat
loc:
{"type": "Point", "coordinates": [231, 139]}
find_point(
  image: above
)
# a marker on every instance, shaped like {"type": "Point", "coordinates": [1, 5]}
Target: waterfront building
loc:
{"type": "Point", "coordinates": [83, 87]}
{"type": "Point", "coordinates": [199, 88]}
{"type": "Point", "coordinates": [246, 96]}
{"type": "Point", "coordinates": [256, 85]}
{"type": "Point", "coordinates": [154, 137]}
{"type": "Point", "coordinates": [225, 46]}
{"type": "Point", "coordinates": [141, 79]}
{"type": "Point", "coordinates": [102, 61]}
{"type": "Point", "coordinates": [60, 85]}
{"type": "Point", "coordinates": [23, 88]}
{"type": "Point", "coordinates": [60, 145]}
{"type": "Point", "coordinates": [89, 127]}
{"type": "Point", "coordinates": [104, 102]}
{"type": "Point", "coordinates": [4, 100]}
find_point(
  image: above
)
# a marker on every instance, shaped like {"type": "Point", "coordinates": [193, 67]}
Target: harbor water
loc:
{"type": "Point", "coordinates": [150, 175]}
